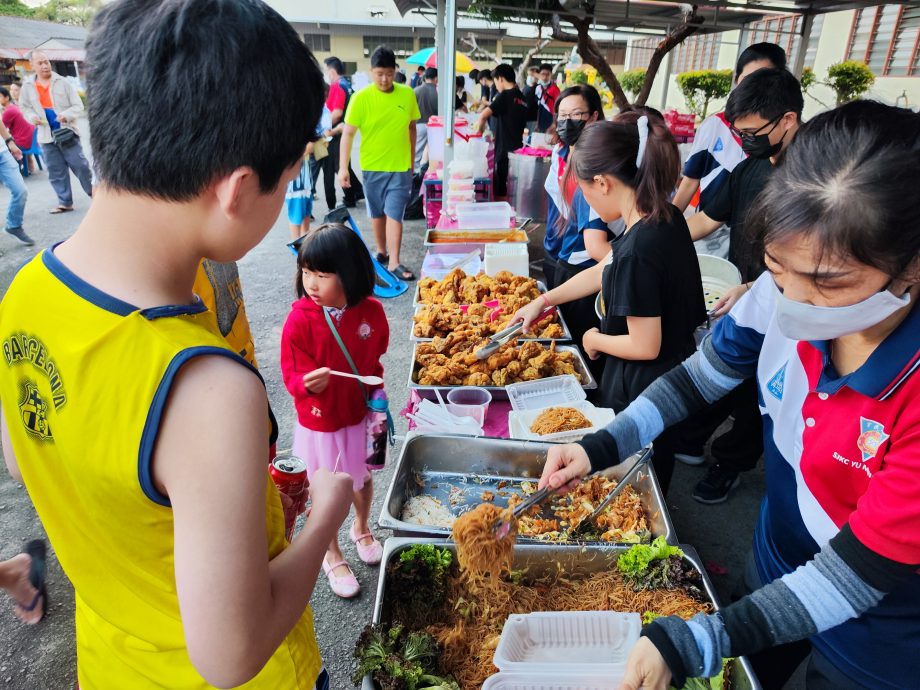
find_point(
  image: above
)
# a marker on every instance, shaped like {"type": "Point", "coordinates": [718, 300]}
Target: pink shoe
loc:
{"type": "Point", "coordinates": [345, 586]}
{"type": "Point", "coordinates": [369, 553]}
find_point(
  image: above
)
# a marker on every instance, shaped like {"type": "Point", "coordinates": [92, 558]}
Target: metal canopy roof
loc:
{"type": "Point", "coordinates": [719, 15]}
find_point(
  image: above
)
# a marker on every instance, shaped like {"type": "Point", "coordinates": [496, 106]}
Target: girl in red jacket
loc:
{"type": "Point", "coordinates": [335, 280]}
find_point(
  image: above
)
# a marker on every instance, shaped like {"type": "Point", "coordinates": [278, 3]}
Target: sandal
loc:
{"type": "Point", "coordinates": [345, 586]}
{"type": "Point", "coordinates": [402, 272]}
{"type": "Point", "coordinates": [60, 209]}
{"type": "Point", "coordinates": [37, 572]}
{"type": "Point", "coordinates": [382, 258]}
{"type": "Point", "coordinates": [369, 553]}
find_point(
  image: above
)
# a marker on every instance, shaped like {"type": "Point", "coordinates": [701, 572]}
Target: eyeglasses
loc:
{"type": "Point", "coordinates": [577, 115]}
{"type": "Point", "coordinates": [746, 135]}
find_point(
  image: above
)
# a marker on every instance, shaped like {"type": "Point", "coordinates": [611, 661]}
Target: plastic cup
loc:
{"type": "Point", "coordinates": [469, 401]}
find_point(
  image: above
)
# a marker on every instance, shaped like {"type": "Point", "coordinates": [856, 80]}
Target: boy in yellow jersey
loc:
{"type": "Point", "coordinates": [139, 434]}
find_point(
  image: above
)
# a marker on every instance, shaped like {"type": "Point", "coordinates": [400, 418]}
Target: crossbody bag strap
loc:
{"type": "Point", "coordinates": [348, 358]}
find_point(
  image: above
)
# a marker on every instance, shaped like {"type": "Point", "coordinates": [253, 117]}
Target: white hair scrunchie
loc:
{"type": "Point", "coordinates": [642, 124]}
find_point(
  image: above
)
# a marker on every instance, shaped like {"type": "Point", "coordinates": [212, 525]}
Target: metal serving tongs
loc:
{"type": "Point", "coordinates": [501, 528]}
{"type": "Point", "coordinates": [638, 464]}
{"type": "Point", "coordinates": [505, 336]}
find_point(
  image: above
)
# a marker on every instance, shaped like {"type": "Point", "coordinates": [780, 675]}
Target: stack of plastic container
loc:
{"type": "Point", "coordinates": [460, 188]}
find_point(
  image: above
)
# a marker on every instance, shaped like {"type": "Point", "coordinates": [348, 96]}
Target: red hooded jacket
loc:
{"type": "Point", "coordinates": [307, 343]}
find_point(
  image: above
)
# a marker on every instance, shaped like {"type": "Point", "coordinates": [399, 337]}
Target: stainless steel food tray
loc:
{"type": "Point", "coordinates": [436, 463]}
{"type": "Point", "coordinates": [566, 333]}
{"type": "Point", "coordinates": [540, 559]}
{"type": "Point", "coordinates": [416, 302]}
{"type": "Point", "coordinates": [499, 392]}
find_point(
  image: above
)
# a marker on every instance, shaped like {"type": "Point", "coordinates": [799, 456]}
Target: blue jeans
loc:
{"type": "Point", "coordinates": [11, 178]}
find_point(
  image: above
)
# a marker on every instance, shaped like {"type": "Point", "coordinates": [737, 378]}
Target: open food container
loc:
{"type": "Point", "coordinates": [484, 216]}
{"type": "Point", "coordinates": [540, 560]}
{"type": "Point", "coordinates": [566, 333]}
{"type": "Point", "coordinates": [417, 297]}
{"type": "Point", "coordinates": [501, 392]}
{"type": "Point", "coordinates": [519, 423]}
{"type": "Point", "coordinates": [457, 470]}
{"type": "Point", "coordinates": [536, 395]}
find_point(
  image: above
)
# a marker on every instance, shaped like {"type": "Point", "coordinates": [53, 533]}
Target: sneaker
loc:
{"type": "Point", "coordinates": [20, 235]}
{"type": "Point", "coordinates": [689, 459]}
{"type": "Point", "coordinates": [716, 485]}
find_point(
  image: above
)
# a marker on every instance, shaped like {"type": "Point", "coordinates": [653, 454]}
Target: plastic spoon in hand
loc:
{"type": "Point", "coordinates": [367, 380]}
{"type": "Point", "coordinates": [503, 527]}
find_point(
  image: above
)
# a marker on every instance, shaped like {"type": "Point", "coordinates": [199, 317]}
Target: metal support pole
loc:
{"type": "Point", "coordinates": [805, 38]}
{"type": "Point", "coordinates": [446, 77]}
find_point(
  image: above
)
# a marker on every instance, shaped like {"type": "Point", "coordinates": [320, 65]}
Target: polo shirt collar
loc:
{"type": "Point", "coordinates": [890, 364]}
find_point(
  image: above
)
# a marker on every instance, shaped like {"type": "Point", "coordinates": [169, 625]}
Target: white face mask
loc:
{"type": "Point", "coordinates": [531, 81]}
{"type": "Point", "coordinates": [799, 321]}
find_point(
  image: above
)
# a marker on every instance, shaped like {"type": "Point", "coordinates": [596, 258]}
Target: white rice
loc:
{"type": "Point", "coordinates": [427, 510]}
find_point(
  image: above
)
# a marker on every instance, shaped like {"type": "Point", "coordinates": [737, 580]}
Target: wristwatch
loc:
{"type": "Point", "coordinates": [7, 141]}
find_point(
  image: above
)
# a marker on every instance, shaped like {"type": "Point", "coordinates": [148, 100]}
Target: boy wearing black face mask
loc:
{"type": "Point", "coordinates": [765, 111]}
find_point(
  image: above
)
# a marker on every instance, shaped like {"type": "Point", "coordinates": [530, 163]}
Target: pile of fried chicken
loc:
{"type": "Point", "coordinates": [452, 361]}
{"type": "Point", "coordinates": [439, 320]}
{"type": "Point", "coordinates": [459, 288]}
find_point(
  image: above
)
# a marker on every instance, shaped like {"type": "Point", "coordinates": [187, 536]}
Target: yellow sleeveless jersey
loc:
{"type": "Point", "coordinates": [85, 383]}
{"type": "Point", "coordinates": [218, 285]}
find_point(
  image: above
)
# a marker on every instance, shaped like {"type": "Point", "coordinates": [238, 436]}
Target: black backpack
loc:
{"type": "Point", "coordinates": [345, 84]}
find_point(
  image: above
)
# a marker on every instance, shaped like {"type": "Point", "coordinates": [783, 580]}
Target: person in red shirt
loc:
{"type": "Point", "coordinates": [334, 283]}
{"type": "Point", "coordinates": [20, 128]}
{"type": "Point", "coordinates": [336, 102]}
{"type": "Point", "coordinates": [547, 92]}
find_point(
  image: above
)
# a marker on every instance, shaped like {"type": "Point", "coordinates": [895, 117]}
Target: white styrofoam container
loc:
{"type": "Point", "coordinates": [568, 642]}
{"type": "Point", "coordinates": [435, 265]}
{"type": "Point", "coordinates": [491, 215]}
{"type": "Point", "coordinates": [542, 681]}
{"type": "Point", "coordinates": [506, 256]}
{"type": "Point", "coordinates": [543, 393]}
{"type": "Point", "coordinates": [519, 423]}
{"type": "Point", "coordinates": [718, 276]}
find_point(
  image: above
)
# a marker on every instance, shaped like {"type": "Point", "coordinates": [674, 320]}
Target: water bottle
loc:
{"type": "Point", "coordinates": [377, 423]}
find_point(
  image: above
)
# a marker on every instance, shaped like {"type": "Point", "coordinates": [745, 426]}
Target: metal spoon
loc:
{"type": "Point", "coordinates": [367, 380]}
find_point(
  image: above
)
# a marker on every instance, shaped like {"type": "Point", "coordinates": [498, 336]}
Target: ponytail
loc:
{"type": "Point", "coordinates": [613, 148]}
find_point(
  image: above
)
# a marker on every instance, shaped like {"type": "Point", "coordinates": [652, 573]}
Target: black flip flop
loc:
{"type": "Point", "coordinates": [382, 258]}
{"type": "Point", "coordinates": [60, 209]}
{"type": "Point", "coordinates": [402, 272]}
{"type": "Point", "coordinates": [37, 571]}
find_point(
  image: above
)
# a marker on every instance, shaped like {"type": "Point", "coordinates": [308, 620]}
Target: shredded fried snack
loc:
{"type": "Point", "coordinates": [480, 554]}
{"type": "Point", "coordinates": [556, 419]}
{"type": "Point", "coordinates": [458, 288]}
{"type": "Point", "coordinates": [452, 361]}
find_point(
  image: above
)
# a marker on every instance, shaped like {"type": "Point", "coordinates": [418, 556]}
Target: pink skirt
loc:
{"type": "Point", "coordinates": [319, 449]}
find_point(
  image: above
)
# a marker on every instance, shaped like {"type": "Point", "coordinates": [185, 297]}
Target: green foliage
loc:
{"type": "Point", "coordinates": [701, 87]}
{"type": "Point", "coordinates": [636, 562]}
{"type": "Point", "coordinates": [578, 77]}
{"type": "Point", "coordinates": [399, 661]}
{"type": "Point", "coordinates": [632, 80]}
{"type": "Point", "coordinates": [517, 10]}
{"type": "Point", "coordinates": [14, 8]}
{"type": "Point", "coordinates": [849, 80]}
{"type": "Point", "coordinates": [74, 12]}
{"type": "Point", "coordinates": [809, 79]}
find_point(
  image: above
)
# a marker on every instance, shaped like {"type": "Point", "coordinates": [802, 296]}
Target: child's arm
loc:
{"type": "Point", "coordinates": [642, 343]}
{"type": "Point", "coordinates": [236, 605]}
{"type": "Point", "coordinates": [296, 361]}
{"type": "Point", "coordinates": [348, 138]}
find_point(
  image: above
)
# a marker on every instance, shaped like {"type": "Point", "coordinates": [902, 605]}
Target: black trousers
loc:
{"type": "Point", "coordinates": [579, 315]}
{"type": "Point", "coordinates": [740, 447]}
{"type": "Point", "coordinates": [330, 167]}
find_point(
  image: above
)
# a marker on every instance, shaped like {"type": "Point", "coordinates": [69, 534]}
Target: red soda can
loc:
{"type": "Point", "coordinates": [290, 476]}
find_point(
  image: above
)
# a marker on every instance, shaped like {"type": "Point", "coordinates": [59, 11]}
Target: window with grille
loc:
{"type": "Point", "coordinates": [403, 46]}
{"type": "Point", "coordinates": [784, 31]}
{"type": "Point", "coordinates": [425, 42]}
{"type": "Point", "coordinates": [317, 42]}
{"type": "Point", "coordinates": [641, 51]}
{"type": "Point", "coordinates": [697, 53]}
{"type": "Point", "coordinates": [811, 51]}
{"type": "Point", "coordinates": [887, 39]}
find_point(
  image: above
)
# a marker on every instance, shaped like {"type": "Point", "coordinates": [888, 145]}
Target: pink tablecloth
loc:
{"type": "Point", "coordinates": [496, 424]}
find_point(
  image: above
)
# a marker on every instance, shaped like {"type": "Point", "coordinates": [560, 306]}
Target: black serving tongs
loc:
{"type": "Point", "coordinates": [502, 527]}
{"type": "Point", "coordinates": [505, 336]}
{"type": "Point", "coordinates": [644, 457]}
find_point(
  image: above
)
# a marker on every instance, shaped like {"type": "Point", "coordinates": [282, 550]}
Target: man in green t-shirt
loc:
{"type": "Point", "coordinates": [386, 114]}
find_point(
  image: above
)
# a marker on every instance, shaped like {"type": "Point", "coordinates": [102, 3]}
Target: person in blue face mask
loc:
{"type": "Point", "coordinates": [764, 112]}
{"type": "Point", "coordinates": [832, 334]}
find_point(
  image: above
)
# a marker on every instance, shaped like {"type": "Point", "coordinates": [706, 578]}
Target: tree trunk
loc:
{"type": "Point", "coordinates": [689, 26]}
{"type": "Point", "coordinates": [590, 52]}
{"type": "Point", "coordinates": [470, 40]}
{"type": "Point", "coordinates": [522, 70]}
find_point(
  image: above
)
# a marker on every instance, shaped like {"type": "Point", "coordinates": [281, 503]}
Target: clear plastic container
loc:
{"type": "Point", "coordinates": [536, 395]}
{"type": "Point", "coordinates": [505, 256]}
{"type": "Point", "coordinates": [493, 215]}
{"type": "Point", "coordinates": [469, 401]}
{"type": "Point", "coordinates": [520, 421]}
{"type": "Point", "coordinates": [461, 169]}
{"type": "Point", "coordinates": [542, 681]}
{"type": "Point", "coordinates": [568, 643]}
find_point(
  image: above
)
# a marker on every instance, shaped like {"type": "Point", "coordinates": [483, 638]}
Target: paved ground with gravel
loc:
{"type": "Point", "coordinates": [43, 657]}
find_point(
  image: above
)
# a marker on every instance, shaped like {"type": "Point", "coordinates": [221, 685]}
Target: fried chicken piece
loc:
{"type": "Point", "coordinates": [487, 497]}
{"type": "Point", "coordinates": [477, 379]}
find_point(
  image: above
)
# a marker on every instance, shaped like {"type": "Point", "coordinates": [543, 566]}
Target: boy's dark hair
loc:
{"type": "Point", "coordinates": [186, 52]}
{"type": "Point", "coordinates": [399, 77]}
{"type": "Point", "coordinates": [504, 71]}
{"type": "Point", "coordinates": [546, 67]}
{"type": "Point", "coordinates": [336, 248]}
{"type": "Point", "coordinates": [431, 73]}
{"type": "Point", "coordinates": [460, 81]}
{"type": "Point", "coordinates": [4, 92]}
{"type": "Point", "coordinates": [845, 181]}
{"type": "Point", "coordinates": [611, 148]}
{"type": "Point", "coordinates": [420, 69]}
{"type": "Point", "coordinates": [485, 74]}
{"type": "Point", "coordinates": [769, 93]}
{"type": "Point", "coordinates": [761, 51]}
{"type": "Point", "coordinates": [383, 58]}
{"type": "Point", "coordinates": [474, 75]}
{"type": "Point", "coordinates": [336, 64]}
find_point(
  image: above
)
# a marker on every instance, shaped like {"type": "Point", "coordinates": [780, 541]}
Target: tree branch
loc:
{"type": "Point", "coordinates": [590, 52]}
{"type": "Point", "coordinates": [528, 58]}
{"type": "Point", "coordinates": [470, 40]}
{"type": "Point", "coordinates": [689, 25]}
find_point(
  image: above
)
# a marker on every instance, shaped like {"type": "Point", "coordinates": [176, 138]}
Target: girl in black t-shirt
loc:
{"type": "Point", "coordinates": [650, 283]}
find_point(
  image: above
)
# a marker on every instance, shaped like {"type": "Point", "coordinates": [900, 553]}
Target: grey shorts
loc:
{"type": "Point", "coordinates": [387, 193]}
